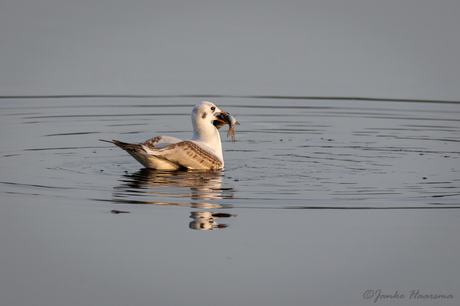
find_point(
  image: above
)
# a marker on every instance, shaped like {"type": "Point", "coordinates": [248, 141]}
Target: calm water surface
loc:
{"type": "Point", "coordinates": [320, 201]}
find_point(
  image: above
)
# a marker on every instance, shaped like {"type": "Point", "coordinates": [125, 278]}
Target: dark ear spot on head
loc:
{"type": "Point", "coordinates": [204, 115]}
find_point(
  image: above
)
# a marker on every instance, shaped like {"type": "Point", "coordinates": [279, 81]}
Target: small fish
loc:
{"type": "Point", "coordinates": [227, 119]}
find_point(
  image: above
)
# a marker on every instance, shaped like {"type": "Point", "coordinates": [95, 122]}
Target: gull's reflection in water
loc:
{"type": "Point", "coordinates": [178, 188]}
{"type": "Point", "coordinates": [205, 220]}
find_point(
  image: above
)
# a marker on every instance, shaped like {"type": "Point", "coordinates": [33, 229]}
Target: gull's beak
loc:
{"type": "Point", "coordinates": [218, 118]}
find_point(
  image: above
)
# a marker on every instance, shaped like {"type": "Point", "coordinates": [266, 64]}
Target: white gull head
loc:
{"type": "Point", "coordinates": [204, 132]}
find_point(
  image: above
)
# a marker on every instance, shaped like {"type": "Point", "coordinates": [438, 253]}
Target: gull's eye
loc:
{"type": "Point", "coordinates": [213, 108]}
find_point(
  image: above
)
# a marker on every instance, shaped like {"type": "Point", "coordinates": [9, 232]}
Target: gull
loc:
{"type": "Point", "coordinates": [202, 152]}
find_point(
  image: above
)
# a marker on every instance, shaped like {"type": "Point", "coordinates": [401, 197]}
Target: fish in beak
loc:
{"type": "Point", "coordinates": [225, 118]}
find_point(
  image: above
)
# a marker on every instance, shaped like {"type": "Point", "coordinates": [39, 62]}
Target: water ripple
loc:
{"type": "Point", "coordinates": [291, 152]}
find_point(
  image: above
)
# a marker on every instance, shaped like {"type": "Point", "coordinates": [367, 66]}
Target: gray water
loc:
{"type": "Point", "coordinates": [319, 202]}
{"type": "Point", "coordinates": [342, 187]}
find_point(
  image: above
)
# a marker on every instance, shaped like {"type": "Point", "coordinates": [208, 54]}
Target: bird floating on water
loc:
{"type": "Point", "coordinates": [202, 152]}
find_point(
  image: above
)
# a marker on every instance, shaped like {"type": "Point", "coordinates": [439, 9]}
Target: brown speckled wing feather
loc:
{"type": "Point", "coordinates": [190, 155]}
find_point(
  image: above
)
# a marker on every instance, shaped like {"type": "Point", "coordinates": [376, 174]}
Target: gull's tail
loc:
{"type": "Point", "coordinates": [125, 146]}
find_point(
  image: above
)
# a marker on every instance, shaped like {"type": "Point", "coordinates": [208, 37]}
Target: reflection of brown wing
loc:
{"type": "Point", "coordinates": [155, 185]}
